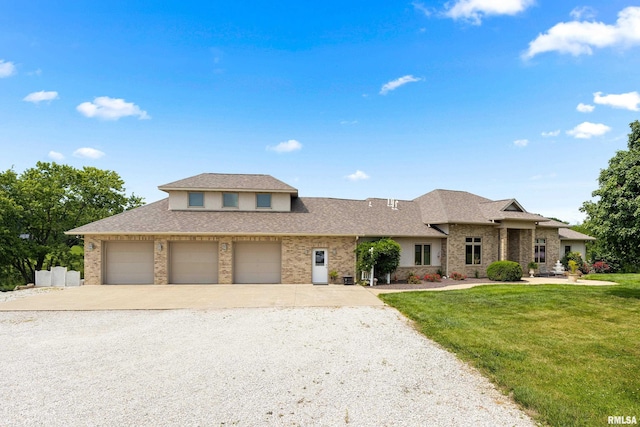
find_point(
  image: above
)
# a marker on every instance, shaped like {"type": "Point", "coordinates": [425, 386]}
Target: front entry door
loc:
{"type": "Point", "coordinates": [320, 269]}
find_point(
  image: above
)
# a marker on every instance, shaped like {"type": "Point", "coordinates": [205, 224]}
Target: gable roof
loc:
{"type": "Point", "coordinates": [309, 216]}
{"type": "Point", "coordinates": [461, 207]}
{"type": "Point", "coordinates": [235, 182]}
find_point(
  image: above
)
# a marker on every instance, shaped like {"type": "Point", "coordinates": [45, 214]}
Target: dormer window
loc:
{"type": "Point", "coordinates": [263, 201]}
{"type": "Point", "coordinates": [196, 200]}
{"type": "Point", "coordinates": [229, 200]}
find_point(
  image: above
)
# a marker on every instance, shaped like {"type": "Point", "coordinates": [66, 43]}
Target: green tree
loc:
{"type": "Point", "coordinates": [38, 206]}
{"type": "Point", "coordinates": [614, 217]}
{"type": "Point", "coordinates": [385, 256]}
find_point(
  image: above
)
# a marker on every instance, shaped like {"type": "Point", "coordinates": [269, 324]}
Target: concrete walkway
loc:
{"type": "Point", "coordinates": [168, 297]}
{"type": "Point", "coordinates": [525, 281]}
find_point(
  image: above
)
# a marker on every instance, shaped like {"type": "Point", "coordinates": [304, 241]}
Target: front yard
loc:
{"type": "Point", "coordinates": [568, 354]}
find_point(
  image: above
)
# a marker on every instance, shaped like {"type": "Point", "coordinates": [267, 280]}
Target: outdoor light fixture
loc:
{"type": "Point", "coordinates": [90, 246]}
{"type": "Point", "coordinates": [334, 252]}
{"type": "Point", "coordinates": [159, 246]}
{"type": "Point", "coordinates": [224, 247]}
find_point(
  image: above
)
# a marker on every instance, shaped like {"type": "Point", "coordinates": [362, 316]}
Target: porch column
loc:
{"type": "Point", "coordinates": [503, 244]}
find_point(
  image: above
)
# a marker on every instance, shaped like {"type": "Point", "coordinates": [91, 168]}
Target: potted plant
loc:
{"type": "Point", "coordinates": [333, 276]}
{"type": "Point", "coordinates": [573, 273]}
{"type": "Point", "coordinates": [532, 266]}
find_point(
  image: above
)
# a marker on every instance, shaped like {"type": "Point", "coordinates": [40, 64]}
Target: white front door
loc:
{"type": "Point", "coordinates": [320, 269]}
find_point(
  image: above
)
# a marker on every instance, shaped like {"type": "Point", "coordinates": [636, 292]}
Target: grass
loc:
{"type": "Point", "coordinates": [569, 355]}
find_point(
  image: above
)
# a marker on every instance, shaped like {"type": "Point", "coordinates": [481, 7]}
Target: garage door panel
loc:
{"type": "Point", "coordinates": [257, 262]}
{"type": "Point", "coordinates": [193, 262]}
{"type": "Point", "coordinates": [128, 263]}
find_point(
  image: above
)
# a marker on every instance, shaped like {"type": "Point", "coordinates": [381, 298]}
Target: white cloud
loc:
{"type": "Point", "coordinates": [88, 153]}
{"type": "Point", "coordinates": [582, 12]}
{"type": "Point", "coordinates": [628, 101]}
{"type": "Point", "coordinates": [56, 156]}
{"type": "Point", "coordinates": [475, 10]}
{"type": "Point", "coordinates": [580, 37]}
{"type": "Point", "coordinates": [348, 122]}
{"type": "Point", "coordinates": [521, 142]}
{"type": "Point", "coordinates": [551, 133]}
{"type": "Point", "coordinates": [586, 130]}
{"type": "Point", "coordinates": [286, 146]}
{"type": "Point", "coordinates": [395, 84]}
{"type": "Point", "coordinates": [422, 8]}
{"type": "Point", "coordinates": [104, 107]}
{"type": "Point", "coordinates": [358, 176]}
{"type": "Point", "coordinates": [585, 108]}
{"type": "Point", "coordinates": [37, 97]}
{"type": "Point", "coordinates": [7, 68]}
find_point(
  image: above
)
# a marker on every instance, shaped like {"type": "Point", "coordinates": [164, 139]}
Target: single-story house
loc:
{"type": "Point", "coordinates": [241, 228]}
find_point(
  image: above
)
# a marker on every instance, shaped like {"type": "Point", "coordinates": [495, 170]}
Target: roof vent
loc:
{"type": "Point", "coordinates": [393, 204]}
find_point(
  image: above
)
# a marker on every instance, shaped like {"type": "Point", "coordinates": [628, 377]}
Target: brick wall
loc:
{"type": "Point", "coordinates": [457, 246]}
{"type": "Point", "coordinates": [297, 257]}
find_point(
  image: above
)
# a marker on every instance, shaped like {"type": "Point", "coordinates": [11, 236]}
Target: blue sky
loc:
{"type": "Point", "coordinates": [506, 99]}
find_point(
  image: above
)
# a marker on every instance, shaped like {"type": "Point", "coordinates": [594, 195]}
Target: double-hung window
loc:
{"type": "Point", "coordinates": [540, 251]}
{"type": "Point", "coordinates": [229, 200]}
{"type": "Point", "coordinates": [422, 255]}
{"type": "Point", "coordinates": [473, 250]}
{"type": "Point", "coordinates": [196, 200]}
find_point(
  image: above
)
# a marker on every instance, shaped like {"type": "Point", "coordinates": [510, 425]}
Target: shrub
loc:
{"type": "Point", "coordinates": [504, 271]}
{"type": "Point", "coordinates": [457, 276]}
{"type": "Point", "coordinates": [432, 278]}
{"type": "Point", "coordinates": [413, 279]}
{"type": "Point", "coordinates": [574, 256]}
{"type": "Point", "coordinates": [601, 267]}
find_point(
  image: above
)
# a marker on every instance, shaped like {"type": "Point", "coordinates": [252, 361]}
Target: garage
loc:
{"type": "Point", "coordinates": [257, 262]}
{"type": "Point", "coordinates": [193, 262]}
{"type": "Point", "coordinates": [128, 263]}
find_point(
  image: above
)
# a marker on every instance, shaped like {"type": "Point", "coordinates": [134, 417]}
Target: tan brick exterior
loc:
{"type": "Point", "coordinates": [552, 243]}
{"type": "Point", "coordinates": [296, 255]}
{"type": "Point", "coordinates": [457, 245]}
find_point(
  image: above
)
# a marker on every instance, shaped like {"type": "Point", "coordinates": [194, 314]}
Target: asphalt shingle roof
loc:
{"type": "Point", "coordinates": [236, 182]}
{"type": "Point", "coordinates": [309, 216]}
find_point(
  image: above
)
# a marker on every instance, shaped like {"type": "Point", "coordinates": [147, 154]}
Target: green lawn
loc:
{"type": "Point", "coordinates": [569, 354]}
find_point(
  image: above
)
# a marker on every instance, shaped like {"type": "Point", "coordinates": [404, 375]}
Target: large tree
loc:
{"type": "Point", "coordinates": [38, 206]}
{"type": "Point", "coordinates": [614, 217]}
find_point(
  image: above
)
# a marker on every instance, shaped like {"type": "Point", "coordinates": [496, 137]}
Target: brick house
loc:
{"type": "Point", "coordinates": [238, 228]}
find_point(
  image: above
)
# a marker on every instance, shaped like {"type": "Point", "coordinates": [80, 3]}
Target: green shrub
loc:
{"type": "Point", "coordinates": [504, 271]}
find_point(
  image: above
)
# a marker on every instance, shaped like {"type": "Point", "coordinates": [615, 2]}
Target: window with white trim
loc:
{"type": "Point", "coordinates": [263, 201]}
{"type": "Point", "coordinates": [229, 200]}
{"type": "Point", "coordinates": [422, 255]}
{"type": "Point", "coordinates": [473, 250]}
{"type": "Point", "coordinates": [540, 251]}
{"type": "Point", "coordinates": [196, 200]}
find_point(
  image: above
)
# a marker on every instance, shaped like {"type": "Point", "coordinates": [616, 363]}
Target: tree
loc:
{"type": "Point", "coordinates": [37, 207]}
{"type": "Point", "coordinates": [614, 218]}
{"type": "Point", "coordinates": [385, 256]}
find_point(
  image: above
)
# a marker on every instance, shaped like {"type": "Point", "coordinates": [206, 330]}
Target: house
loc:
{"type": "Point", "coordinates": [241, 228]}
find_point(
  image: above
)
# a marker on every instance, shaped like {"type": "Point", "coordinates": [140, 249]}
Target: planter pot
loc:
{"type": "Point", "coordinates": [531, 272]}
{"type": "Point", "coordinates": [573, 278]}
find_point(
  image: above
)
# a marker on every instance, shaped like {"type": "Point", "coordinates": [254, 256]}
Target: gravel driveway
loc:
{"type": "Point", "coordinates": [362, 366]}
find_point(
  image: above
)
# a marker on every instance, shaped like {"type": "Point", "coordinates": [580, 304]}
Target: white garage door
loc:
{"type": "Point", "coordinates": [257, 262]}
{"type": "Point", "coordinates": [128, 263]}
{"type": "Point", "coordinates": [193, 262]}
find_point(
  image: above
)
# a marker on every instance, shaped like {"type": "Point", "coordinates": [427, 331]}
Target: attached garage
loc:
{"type": "Point", "coordinates": [128, 263]}
{"type": "Point", "coordinates": [257, 262]}
{"type": "Point", "coordinates": [193, 262]}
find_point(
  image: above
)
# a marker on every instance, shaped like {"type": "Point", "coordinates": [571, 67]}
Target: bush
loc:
{"type": "Point", "coordinates": [457, 276]}
{"type": "Point", "coordinates": [504, 271]}
{"type": "Point", "coordinates": [413, 279]}
{"type": "Point", "coordinates": [574, 256]}
{"type": "Point", "coordinates": [601, 267]}
{"type": "Point", "coordinates": [432, 278]}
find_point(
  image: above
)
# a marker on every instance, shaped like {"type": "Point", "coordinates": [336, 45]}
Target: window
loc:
{"type": "Point", "coordinates": [567, 249]}
{"type": "Point", "coordinates": [263, 201]}
{"type": "Point", "coordinates": [423, 255]}
{"type": "Point", "coordinates": [473, 250]}
{"type": "Point", "coordinates": [540, 251]}
{"type": "Point", "coordinates": [229, 200]}
{"type": "Point", "coordinates": [196, 200]}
